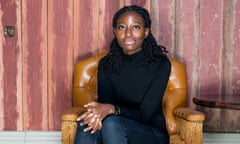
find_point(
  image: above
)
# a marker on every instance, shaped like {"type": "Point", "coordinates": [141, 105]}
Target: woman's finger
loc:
{"type": "Point", "coordinates": [92, 121]}
{"type": "Point", "coordinates": [95, 126]}
{"type": "Point", "coordinates": [87, 129]}
{"type": "Point", "coordinates": [91, 124]}
{"type": "Point", "coordinates": [82, 116]}
{"type": "Point", "coordinates": [90, 104]}
{"type": "Point", "coordinates": [89, 120]}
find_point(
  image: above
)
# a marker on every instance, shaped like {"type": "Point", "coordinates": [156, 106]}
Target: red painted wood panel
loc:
{"type": "Point", "coordinates": [187, 41]}
{"type": "Point", "coordinates": [218, 59]}
{"type": "Point", "coordinates": [143, 3]}
{"type": "Point", "coordinates": [86, 17]}
{"type": "Point", "coordinates": [209, 54]}
{"type": "Point", "coordinates": [227, 36]}
{"type": "Point", "coordinates": [107, 9]}
{"type": "Point", "coordinates": [60, 59]}
{"type": "Point", "coordinates": [210, 46]}
{"type": "Point", "coordinates": [10, 68]}
{"type": "Point", "coordinates": [34, 43]}
{"type": "Point", "coordinates": [236, 49]}
{"type": "Point", "coordinates": [230, 87]}
{"type": "Point", "coordinates": [162, 14]}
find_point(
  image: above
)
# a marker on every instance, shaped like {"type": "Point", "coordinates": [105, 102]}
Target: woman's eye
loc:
{"type": "Point", "coordinates": [136, 27]}
{"type": "Point", "coordinates": [121, 27]}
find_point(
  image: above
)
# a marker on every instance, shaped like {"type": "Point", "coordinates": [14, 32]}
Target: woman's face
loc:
{"type": "Point", "coordinates": [130, 32]}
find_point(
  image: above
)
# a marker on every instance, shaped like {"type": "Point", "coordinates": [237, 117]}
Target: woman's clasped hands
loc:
{"type": "Point", "coordinates": [95, 113]}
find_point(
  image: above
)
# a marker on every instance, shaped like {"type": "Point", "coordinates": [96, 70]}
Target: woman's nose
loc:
{"type": "Point", "coordinates": [129, 32]}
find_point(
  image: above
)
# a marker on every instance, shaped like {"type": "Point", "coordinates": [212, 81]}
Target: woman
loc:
{"type": "Point", "coordinates": [132, 79]}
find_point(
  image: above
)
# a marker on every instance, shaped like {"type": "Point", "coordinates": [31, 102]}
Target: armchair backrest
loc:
{"type": "Point", "coordinates": [85, 87]}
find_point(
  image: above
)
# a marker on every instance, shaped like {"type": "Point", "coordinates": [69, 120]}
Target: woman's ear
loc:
{"type": "Point", "coordinates": [147, 30]}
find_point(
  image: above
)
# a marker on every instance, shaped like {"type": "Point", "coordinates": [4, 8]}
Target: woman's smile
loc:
{"type": "Point", "coordinates": [129, 41]}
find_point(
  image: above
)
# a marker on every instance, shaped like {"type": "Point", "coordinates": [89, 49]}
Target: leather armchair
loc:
{"type": "Point", "coordinates": [184, 124]}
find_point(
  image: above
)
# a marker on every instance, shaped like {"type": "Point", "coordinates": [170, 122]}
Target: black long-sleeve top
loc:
{"type": "Point", "coordinates": [137, 89]}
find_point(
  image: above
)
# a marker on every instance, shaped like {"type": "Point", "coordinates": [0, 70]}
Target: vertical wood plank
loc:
{"type": "Point", "coordinates": [143, 3]}
{"type": "Point", "coordinates": [210, 57]}
{"type": "Point", "coordinates": [34, 45]}
{"type": "Point", "coordinates": [226, 52]}
{"type": "Point", "coordinates": [186, 41]}
{"type": "Point", "coordinates": [162, 14]}
{"type": "Point", "coordinates": [1, 69]}
{"type": "Point", "coordinates": [226, 62]}
{"type": "Point", "coordinates": [60, 59]}
{"type": "Point", "coordinates": [229, 120]}
{"type": "Point", "coordinates": [86, 15]}
{"type": "Point", "coordinates": [236, 49]}
{"type": "Point", "coordinates": [10, 67]}
{"type": "Point", "coordinates": [107, 10]}
{"type": "Point", "coordinates": [210, 46]}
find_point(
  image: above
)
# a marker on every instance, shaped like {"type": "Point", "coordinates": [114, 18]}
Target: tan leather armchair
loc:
{"type": "Point", "coordinates": [184, 124]}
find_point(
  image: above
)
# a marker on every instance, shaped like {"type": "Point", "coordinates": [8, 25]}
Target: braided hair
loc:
{"type": "Point", "coordinates": [151, 49]}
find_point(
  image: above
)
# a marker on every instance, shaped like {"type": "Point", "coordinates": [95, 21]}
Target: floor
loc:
{"type": "Point", "coordinates": [54, 137]}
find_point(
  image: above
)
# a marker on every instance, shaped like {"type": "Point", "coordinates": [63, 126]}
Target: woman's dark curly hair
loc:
{"type": "Point", "coordinates": [151, 49]}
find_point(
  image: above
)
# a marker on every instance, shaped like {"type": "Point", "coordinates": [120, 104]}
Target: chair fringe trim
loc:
{"type": "Point", "coordinates": [190, 132]}
{"type": "Point", "coordinates": [68, 132]}
{"type": "Point", "coordinates": [176, 139]}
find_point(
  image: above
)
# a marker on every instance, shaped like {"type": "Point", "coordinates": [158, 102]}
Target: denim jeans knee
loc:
{"type": "Point", "coordinates": [86, 137]}
{"type": "Point", "coordinates": [112, 131]}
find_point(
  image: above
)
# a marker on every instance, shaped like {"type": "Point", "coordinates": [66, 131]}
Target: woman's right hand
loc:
{"type": "Point", "coordinates": [94, 115]}
{"type": "Point", "coordinates": [92, 120]}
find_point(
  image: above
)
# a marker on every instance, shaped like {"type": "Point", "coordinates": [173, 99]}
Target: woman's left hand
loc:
{"type": "Point", "coordinates": [100, 108]}
{"type": "Point", "coordinates": [92, 121]}
{"type": "Point", "coordinates": [94, 115]}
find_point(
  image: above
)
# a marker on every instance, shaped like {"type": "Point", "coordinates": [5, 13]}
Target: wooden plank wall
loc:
{"type": "Point", "coordinates": [36, 65]}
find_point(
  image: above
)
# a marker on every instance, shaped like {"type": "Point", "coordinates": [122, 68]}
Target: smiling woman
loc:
{"type": "Point", "coordinates": [132, 79]}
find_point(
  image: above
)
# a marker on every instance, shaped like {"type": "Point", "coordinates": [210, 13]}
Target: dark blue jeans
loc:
{"type": "Point", "coordinates": [122, 130]}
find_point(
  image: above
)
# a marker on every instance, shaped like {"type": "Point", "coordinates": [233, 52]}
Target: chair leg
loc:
{"type": "Point", "coordinates": [68, 132]}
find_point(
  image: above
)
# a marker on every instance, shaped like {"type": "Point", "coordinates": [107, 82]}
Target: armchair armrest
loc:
{"type": "Point", "coordinates": [189, 125]}
{"type": "Point", "coordinates": [72, 114]}
{"type": "Point", "coordinates": [189, 114]}
{"type": "Point", "coordinates": [69, 124]}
